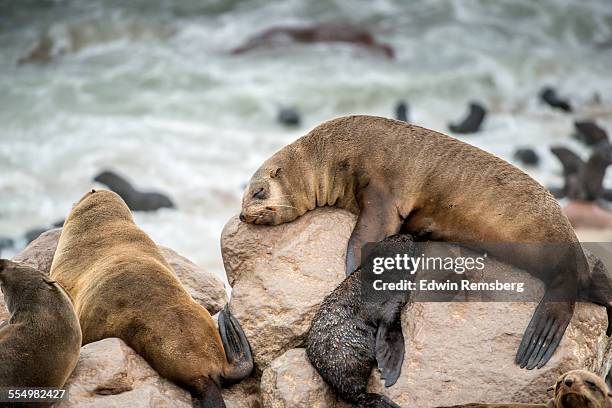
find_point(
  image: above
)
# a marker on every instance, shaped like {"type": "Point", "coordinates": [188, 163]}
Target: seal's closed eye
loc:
{"type": "Point", "coordinates": [259, 193]}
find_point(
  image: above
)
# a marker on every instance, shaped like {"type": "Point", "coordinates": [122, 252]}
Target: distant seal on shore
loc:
{"type": "Point", "coordinates": [549, 96]}
{"type": "Point", "coordinates": [589, 133]}
{"type": "Point", "coordinates": [472, 122]}
{"type": "Point", "coordinates": [574, 389]}
{"type": "Point", "coordinates": [135, 200]}
{"type": "Point", "coordinates": [123, 287]}
{"type": "Point", "coordinates": [352, 331]}
{"type": "Point", "coordinates": [323, 32]}
{"type": "Point", "coordinates": [41, 342]}
{"type": "Point", "coordinates": [584, 180]}
{"type": "Point", "coordinates": [396, 176]}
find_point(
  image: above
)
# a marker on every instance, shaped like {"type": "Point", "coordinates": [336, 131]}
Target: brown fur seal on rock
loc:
{"type": "Point", "coordinates": [574, 389]}
{"type": "Point", "coordinates": [396, 176]}
{"type": "Point", "coordinates": [353, 331]}
{"type": "Point", "coordinates": [323, 32]}
{"type": "Point", "coordinates": [40, 344]}
{"type": "Point", "coordinates": [123, 287]}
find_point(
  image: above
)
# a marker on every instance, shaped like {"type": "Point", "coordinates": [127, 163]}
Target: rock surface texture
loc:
{"type": "Point", "coordinates": [456, 352]}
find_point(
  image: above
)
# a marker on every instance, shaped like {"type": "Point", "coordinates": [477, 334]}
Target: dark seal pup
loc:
{"type": "Point", "coordinates": [135, 200]}
{"type": "Point", "coordinates": [41, 342]}
{"type": "Point", "coordinates": [353, 331]}
{"type": "Point", "coordinates": [394, 174]}
{"type": "Point", "coordinates": [123, 287]}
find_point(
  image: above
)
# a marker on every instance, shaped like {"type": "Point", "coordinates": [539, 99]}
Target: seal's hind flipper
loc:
{"type": "Point", "coordinates": [371, 400]}
{"type": "Point", "coordinates": [237, 348]}
{"type": "Point", "coordinates": [390, 351]}
{"type": "Point", "coordinates": [544, 333]}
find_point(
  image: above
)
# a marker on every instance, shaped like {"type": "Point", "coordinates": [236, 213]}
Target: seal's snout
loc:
{"type": "Point", "coordinates": [568, 381]}
{"type": "Point", "coordinates": [242, 217]}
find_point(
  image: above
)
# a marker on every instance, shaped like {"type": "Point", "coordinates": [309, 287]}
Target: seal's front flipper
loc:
{"type": "Point", "coordinates": [237, 348]}
{"type": "Point", "coordinates": [544, 333]}
{"type": "Point", "coordinates": [390, 351]}
{"type": "Point", "coordinates": [371, 400]}
{"type": "Point", "coordinates": [378, 219]}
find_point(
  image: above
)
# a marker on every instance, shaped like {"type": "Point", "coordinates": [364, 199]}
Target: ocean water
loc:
{"type": "Point", "coordinates": [148, 89]}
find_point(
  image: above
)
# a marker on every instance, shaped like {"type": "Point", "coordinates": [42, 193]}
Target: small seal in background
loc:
{"type": "Point", "coordinates": [472, 122]}
{"type": "Point", "coordinates": [549, 96]}
{"type": "Point", "coordinates": [135, 200]}
{"type": "Point", "coordinates": [527, 156]}
{"type": "Point", "coordinates": [41, 342]}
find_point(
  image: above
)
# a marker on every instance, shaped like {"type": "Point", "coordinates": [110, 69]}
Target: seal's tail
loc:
{"type": "Point", "coordinates": [237, 348]}
{"type": "Point", "coordinates": [371, 400]}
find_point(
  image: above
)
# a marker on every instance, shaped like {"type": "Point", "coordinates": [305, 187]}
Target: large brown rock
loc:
{"type": "Point", "coordinates": [204, 287]}
{"type": "Point", "coordinates": [280, 275]}
{"type": "Point", "coordinates": [110, 374]}
{"type": "Point", "coordinates": [290, 381]}
{"type": "Point", "coordinates": [456, 352]}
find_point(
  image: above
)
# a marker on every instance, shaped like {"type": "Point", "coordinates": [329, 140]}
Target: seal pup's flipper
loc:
{"type": "Point", "coordinates": [544, 332]}
{"type": "Point", "coordinates": [390, 351]}
{"type": "Point", "coordinates": [371, 400]}
{"type": "Point", "coordinates": [237, 348]}
{"type": "Point", "coordinates": [378, 219]}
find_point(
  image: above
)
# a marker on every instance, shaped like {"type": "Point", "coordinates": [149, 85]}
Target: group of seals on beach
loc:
{"type": "Point", "coordinates": [396, 176]}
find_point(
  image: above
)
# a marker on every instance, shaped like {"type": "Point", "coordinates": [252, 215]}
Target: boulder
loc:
{"type": "Point", "coordinates": [456, 352]}
{"type": "Point", "coordinates": [204, 287]}
{"type": "Point", "coordinates": [290, 381]}
{"type": "Point", "coordinates": [280, 275]}
{"type": "Point", "coordinates": [110, 374]}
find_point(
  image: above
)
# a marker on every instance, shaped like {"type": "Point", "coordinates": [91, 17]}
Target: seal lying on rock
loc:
{"type": "Point", "coordinates": [40, 344]}
{"type": "Point", "coordinates": [397, 175]}
{"type": "Point", "coordinates": [574, 389]}
{"type": "Point", "coordinates": [352, 331]}
{"type": "Point", "coordinates": [123, 287]}
{"type": "Point", "coordinates": [135, 200]}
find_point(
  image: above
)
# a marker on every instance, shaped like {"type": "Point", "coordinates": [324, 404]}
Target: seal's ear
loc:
{"type": "Point", "coordinates": [274, 172]}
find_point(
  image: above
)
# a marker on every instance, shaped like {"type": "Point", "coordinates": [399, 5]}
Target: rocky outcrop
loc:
{"type": "Point", "coordinates": [204, 287]}
{"type": "Point", "coordinates": [456, 352]}
{"type": "Point", "coordinates": [290, 381]}
{"type": "Point", "coordinates": [110, 374]}
{"type": "Point", "coordinates": [280, 275]}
